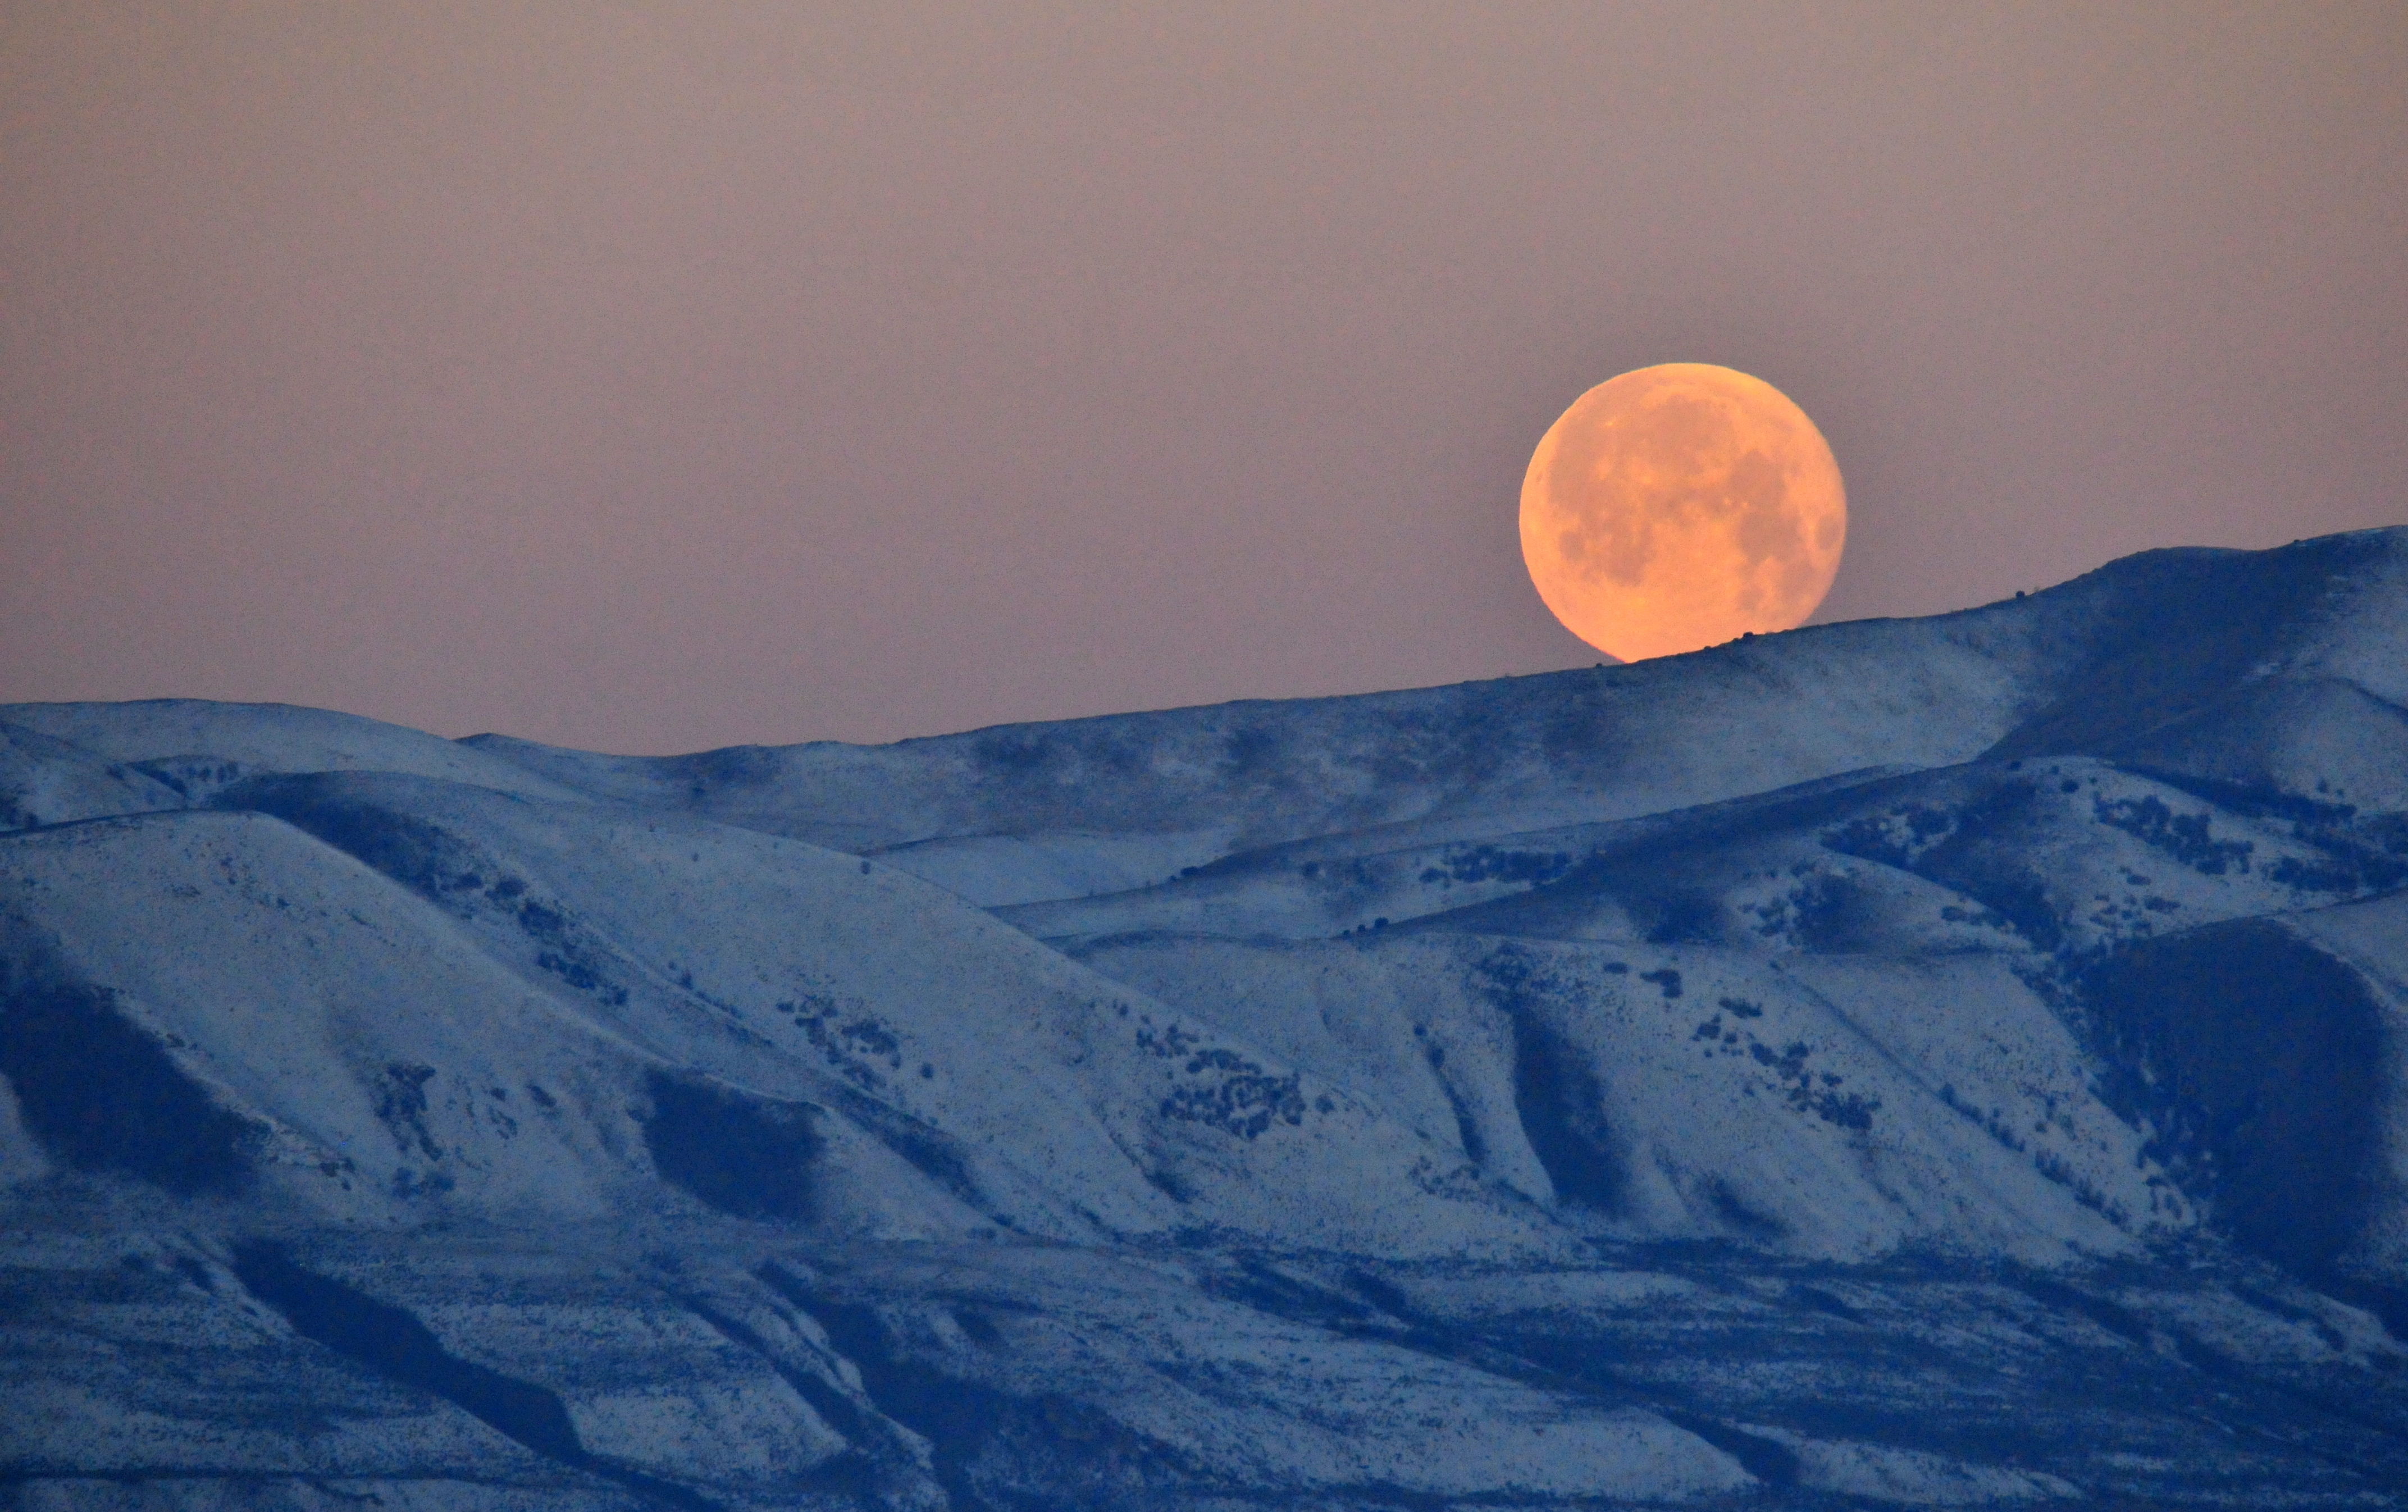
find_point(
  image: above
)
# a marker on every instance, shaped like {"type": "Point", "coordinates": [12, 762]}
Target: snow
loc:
{"type": "Point", "coordinates": [262, 737]}
{"type": "Point", "coordinates": [1247, 1096]}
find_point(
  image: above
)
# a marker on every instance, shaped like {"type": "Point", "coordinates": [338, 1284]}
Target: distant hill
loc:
{"type": "Point", "coordinates": [1935, 1061]}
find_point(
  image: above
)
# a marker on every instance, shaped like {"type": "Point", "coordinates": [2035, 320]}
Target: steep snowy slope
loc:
{"type": "Point", "coordinates": [47, 781]}
{"type": "Point", "coordinates": [459, 1000]}
{"type": "Point", "coordinates": [2267, 1059]}
{"type": "Point", "coordinates": [63, 762]}
{"type": "Point", "coordinates": [1023, 814]}
{"type": "Point", "coordinates": [2070, 855]}
{"type": "Point", "coordinates": [1959, 1062]}
{"type": "Point", "coordinates": [1958, 922]}
{"type": "Point", "coordinates": [2320, 737]}
{"type": "Point", "coordinates": [1694, 1092]}
{"type": "Point", "coordinates": [194, 748]}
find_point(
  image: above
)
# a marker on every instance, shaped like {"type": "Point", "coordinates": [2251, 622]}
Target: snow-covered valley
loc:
{"type": "Point", "coordinates": [1959, 1061]}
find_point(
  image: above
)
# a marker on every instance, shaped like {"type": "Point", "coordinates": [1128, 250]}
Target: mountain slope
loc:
{"type": "Point", "coordinates": [1024, 813]}
{"type": "Point", "coordinates": [1922, 1062]}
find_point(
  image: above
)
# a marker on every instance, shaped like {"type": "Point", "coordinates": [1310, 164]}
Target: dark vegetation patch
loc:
{"type": "Point", "coordinates": [193, 777]}
{"type": "Point", "coordinates": [1803, 1089]}
{"type": "Point", "coordinates": [1971, 849]}
{"type": "Point", "coordinates": [401, 1107]}
{"type": "Point", "coordinates": [2048, 1162]}
{"type": "Point", "coordinates": [1227, 1091]}
{"type": "Point", "coordinates": [2023, 901]}
{"type": "Point", "coordinates": [1497, 863]}
{"type": "Point", "coordinates": [1992, 1122]}
{"type": "Point", "coordinates": [1798, 1085]}
{"type": "Point", "coordinates": [2253, 800]}
{"type": "Point", "coordinates": [1666, 978]}
{"type": "Point", "coordinates": [1897, 838]}
{"type": "Point", "coordinates": [2335, 874]}
{"type": "Point", "coordinates": [579, 973]}
{"type": "Point", "coordinates": [851, 1040]}
{"type": "Point", "coordinates": [1824, 913]}
{"type": "Point", "coordinates": [2362, 852]}
{"type": "Point", "coordinates": [101, 1093]}
{"type": "Point", "coordinates": [1346, 883]}
{"type": "Point", "coordinates": [1240, 1104]}
{"type": "Point", "coordinates": [2056, 1168]}
{"type": "Point", "coordinates": [747, 1156]}
{"type": "Point", "coordinates": [566, 953]}
{"type": "Point", "coordinates": [1985, 857]}
{"type": "Point", "coordinates": [2188, 838]}
{"type": "Point", "coordinates": [1990, 917]}
{"type": "Point", "coordinates": [2315, 1323]}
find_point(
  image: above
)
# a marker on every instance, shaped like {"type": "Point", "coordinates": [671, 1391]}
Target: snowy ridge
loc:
{"type": "Point", "coordinates": [1145, 1111]}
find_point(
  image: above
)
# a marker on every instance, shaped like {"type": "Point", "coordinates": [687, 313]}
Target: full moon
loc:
{"type": "Point", "coordinates": [1680, 507]}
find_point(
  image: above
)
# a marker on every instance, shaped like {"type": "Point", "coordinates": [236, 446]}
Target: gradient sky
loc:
{"type": "Point", "coordinates": [647, 377]}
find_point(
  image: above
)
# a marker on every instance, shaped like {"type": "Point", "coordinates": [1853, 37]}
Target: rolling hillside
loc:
{"type": "Point", "coordinates": [1942, 1061]}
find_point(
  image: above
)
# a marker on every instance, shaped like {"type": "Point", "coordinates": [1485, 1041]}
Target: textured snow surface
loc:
{"type": "Point", "coordinates": [1956, 1062]}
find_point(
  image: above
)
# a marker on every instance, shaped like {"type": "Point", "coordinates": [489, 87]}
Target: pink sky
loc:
{"type": "Point", "coordinates": [653, 376]}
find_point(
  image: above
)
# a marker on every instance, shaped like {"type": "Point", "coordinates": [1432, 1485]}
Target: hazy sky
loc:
{"type": "Point", "coordinates": [649, 377]}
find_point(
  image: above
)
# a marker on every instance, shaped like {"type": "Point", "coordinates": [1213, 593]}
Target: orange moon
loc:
{"type": "Point", "coordinates": [1680, 507]}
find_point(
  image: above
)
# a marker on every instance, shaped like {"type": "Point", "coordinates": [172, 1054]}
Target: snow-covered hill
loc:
{"type": "Point", "coordinates": [1346, 1101]}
